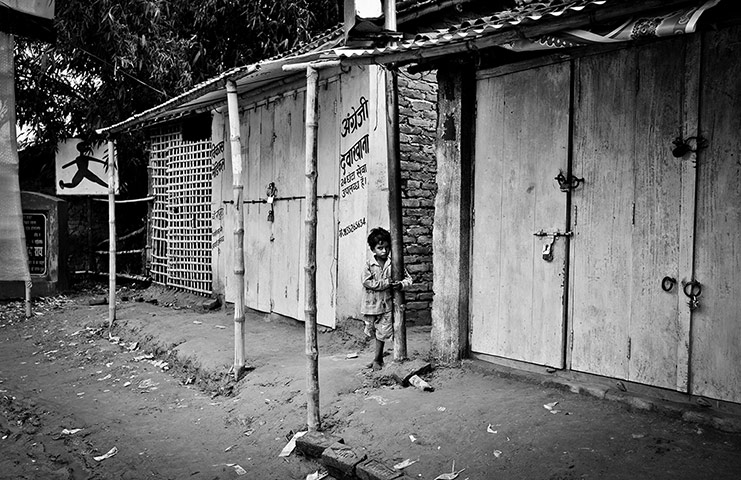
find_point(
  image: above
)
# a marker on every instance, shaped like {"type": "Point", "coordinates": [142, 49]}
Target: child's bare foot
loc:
{"type": "Point", "coordinates": [377, 366]}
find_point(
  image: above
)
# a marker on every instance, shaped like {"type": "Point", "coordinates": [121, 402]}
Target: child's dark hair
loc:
{"type": "Point", "coordinates": [378, 235]}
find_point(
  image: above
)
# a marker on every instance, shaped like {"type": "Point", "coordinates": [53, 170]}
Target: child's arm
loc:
{"type": "Point", "coordinates": [371, 283]}
{"type": "Point", "coordinates": [405, 283]}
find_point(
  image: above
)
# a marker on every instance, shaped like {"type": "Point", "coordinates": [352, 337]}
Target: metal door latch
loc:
{"type": "Point", "coordinates": [547, 252]}
{"type": "Point", "coordinates": [693, 290]}
{"type": "Point", "coordinates": [271, 192]}
{"type": "Point", "coordinates": [568, 182]}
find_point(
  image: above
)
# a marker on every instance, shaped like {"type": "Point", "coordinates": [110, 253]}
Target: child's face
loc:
{"type": "Point", "coordinates": [381, 250]}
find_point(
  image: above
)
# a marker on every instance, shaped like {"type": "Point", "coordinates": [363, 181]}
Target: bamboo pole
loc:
{"type": "Point", "coordinates": [310, 221]}
{"type": "Point", "coordinates": [111, 235]}
{"type": "Point", "coordinates": [238, 191]}
{"type": "Point", "coordinates": [394, 180]}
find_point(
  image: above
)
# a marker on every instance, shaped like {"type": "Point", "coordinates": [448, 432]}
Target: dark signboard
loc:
{"type": "Point", "coordinates": [36, 242]}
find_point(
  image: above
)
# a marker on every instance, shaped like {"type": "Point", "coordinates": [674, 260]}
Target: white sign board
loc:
{"type": "Point", "coordinates": [82, 168]}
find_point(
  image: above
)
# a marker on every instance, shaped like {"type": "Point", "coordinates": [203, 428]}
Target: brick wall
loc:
{"type": "Point", "coordinates": [417, 123]}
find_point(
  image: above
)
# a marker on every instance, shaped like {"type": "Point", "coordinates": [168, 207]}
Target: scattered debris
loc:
{"type": "Point", "coordinates": [230, 447]}
{"type": "Point", "coordinates": [197, 322]}
{"type": "Point", "coordinates": [497, 453]}
{"type": "Point", "coordinates": [351, 355]}
{"type": "Point", "coordinates": [146, 356]}
{"type": "Point", "coordinates": [450, 476]}
{"type": "Point", "coordinates": [105, 378]}
{"type": "Point", "coordinates": [412, 438]}
{"type": "Point", "coordinates": [416, 381]}
{"type": "Point", "coordinates": [621, 386]}
{"type": "Point", "coordinates": [317, 475]}
{"type": "Point", "coordinates": [440, 409]}
{"type": "Point", "coordinates": [70, 431]}
{"type": "Point", "coordinates": [638, 435]}
{"type": "Point", "coordinates": [291, 445]}
{"type": "Point", "coordinates": [126, 384]}
{"type": "Point", "coordinates": [404, 464]}
{"type": "Point", "coordinates": [490, 430]}
{"type": "Point", "coordinates": [145, 384]}
{"type": "Point", "coordinates": [239, 469]}
{"type": "Point", "coordinates": [550, 406]}
{"type": "Point", "coordinates": [220, 326]}
{"type": "Point", "coordinates": [109, 454]}
{"type": "Point", "coordinates": [249, 432]}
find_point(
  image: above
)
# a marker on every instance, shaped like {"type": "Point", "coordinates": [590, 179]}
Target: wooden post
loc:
{"type": "Point", "coordinates": [236, 147]}
{"type": "Point", "coordinates": [90, 251]}
{"type": "Point", "coordinates": [111, 235]}
{"type": "Point", "coordinates": [395, 210]}
{"type": "Point", "coordinates": [396, 226]}
{"type": "Point", "coordinates": [454, 151]}
{"type": "Point", "coordinates": [310, 222]}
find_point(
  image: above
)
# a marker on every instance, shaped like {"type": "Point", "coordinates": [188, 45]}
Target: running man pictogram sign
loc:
{"type": "Point", "coordinates": [82, 168]}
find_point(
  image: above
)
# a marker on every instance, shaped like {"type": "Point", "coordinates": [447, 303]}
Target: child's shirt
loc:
{"type": "Point", "coordinates": [378, 296]}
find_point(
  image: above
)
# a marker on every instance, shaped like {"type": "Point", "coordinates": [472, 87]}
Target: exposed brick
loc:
{"type": "Point", "coordinates": [375, 470]}
{"type": "Point", "coordinates": [313, 444]}
{"type": "Point", "coordinates": [341, 459]}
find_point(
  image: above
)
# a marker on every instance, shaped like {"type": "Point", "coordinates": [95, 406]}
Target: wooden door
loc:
{"type": "Point", "coordinates": [522, 128]}
{"type": "Point", "coordinates": [716, 324]}
{"type": "Point", "coordinates": [628, 216]}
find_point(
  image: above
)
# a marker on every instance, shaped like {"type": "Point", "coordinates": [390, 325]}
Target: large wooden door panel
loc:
{"type": "Point", "coordinates": [716, 324]}
{"type": "Point", "coordinates": [626, 217]}
{"type": "Point", "coordinates": [521, 145]}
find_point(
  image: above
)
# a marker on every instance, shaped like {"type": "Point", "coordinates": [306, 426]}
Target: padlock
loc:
{"type": "Point", "coordinates": [548, 252]}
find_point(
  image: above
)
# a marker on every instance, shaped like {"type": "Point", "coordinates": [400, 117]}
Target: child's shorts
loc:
{"type": "Point", "coordinates": [381, 325]}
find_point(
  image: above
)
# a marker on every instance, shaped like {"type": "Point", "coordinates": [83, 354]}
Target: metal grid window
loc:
{"type": "Point", "coordinates": [189, 208]}
{"type": "Point", "coordinates": [181, 212]}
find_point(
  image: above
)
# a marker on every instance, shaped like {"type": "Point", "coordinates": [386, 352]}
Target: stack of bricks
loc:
{"type": "Point", "coordinates": [417, 126]}
{"type": "Point", "coordinates": [344, 462]}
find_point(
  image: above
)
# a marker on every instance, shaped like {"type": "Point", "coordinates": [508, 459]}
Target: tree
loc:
{"type": "Point", "coordinates": [113, 58]}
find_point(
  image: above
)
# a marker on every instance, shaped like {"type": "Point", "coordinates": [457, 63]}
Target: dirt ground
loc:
{"type": "Point", "coordinates": [162, 396]}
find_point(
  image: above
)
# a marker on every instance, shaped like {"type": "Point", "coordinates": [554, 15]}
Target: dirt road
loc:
{"type": "Point", "coordinates": [172, 421]}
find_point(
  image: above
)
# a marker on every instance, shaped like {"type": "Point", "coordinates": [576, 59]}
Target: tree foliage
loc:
{"type": "Point", "coordinates": [113, 58]}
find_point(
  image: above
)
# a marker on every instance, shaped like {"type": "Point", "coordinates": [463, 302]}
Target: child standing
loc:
{"type": "Point", "coordinates": [378, 298]}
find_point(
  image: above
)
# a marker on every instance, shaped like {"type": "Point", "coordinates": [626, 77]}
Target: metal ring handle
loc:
{"type": "Point", "coordinates": [667, 283]}
{"type": "Point", "coordinates": [695, 289]}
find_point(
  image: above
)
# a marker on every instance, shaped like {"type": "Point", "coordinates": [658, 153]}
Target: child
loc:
{"type": "Point", "coordinates": [378, 295]}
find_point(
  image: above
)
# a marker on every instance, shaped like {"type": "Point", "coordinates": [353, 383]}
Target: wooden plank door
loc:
{"type": "Point", "coordinates": [716, 324]}
{"type": "Point", "coordinates": [517, 299]}
{"type": "Point", "coordinates": [627, 217]}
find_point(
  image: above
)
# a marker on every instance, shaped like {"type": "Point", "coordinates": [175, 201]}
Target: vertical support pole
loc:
{"type": "Point", "coordinates": [394, 179]}
{"type": "Point", "coordinates": [395, 210]}
{"type": "Point", "coordinates": [452, 234]}
{"type": "Point", "coordinates": [236, 147]}
{"type": "Point", "coordinates": [90, 253]}
{"type": "Point", "coordinates": [310, 222]}
{"type": "Point", "coordinates": [111, 235]}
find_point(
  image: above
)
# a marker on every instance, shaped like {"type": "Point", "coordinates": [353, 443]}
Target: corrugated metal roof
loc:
{"type": "Point", "coordinates": [211, 93]}
{"type": "Point", "coordinates": [481, 27]}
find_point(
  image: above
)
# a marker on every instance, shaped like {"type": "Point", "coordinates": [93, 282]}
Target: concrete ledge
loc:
{"type": "Point", "coordinates": [679, 406]}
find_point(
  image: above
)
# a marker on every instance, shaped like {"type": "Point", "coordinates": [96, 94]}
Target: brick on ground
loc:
{"type": "Point", "coordinates": [373, 469]}
{"type": "Point", "coordinates": [313, 444]}
{"type": "Point", "coordinates": [401, 372]}
{"type": "Point", "coordinates": [341, 460]}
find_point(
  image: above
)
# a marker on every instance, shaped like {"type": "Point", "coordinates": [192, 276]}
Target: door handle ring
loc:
{"type": "Point", "coordinates": [667, 283]}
